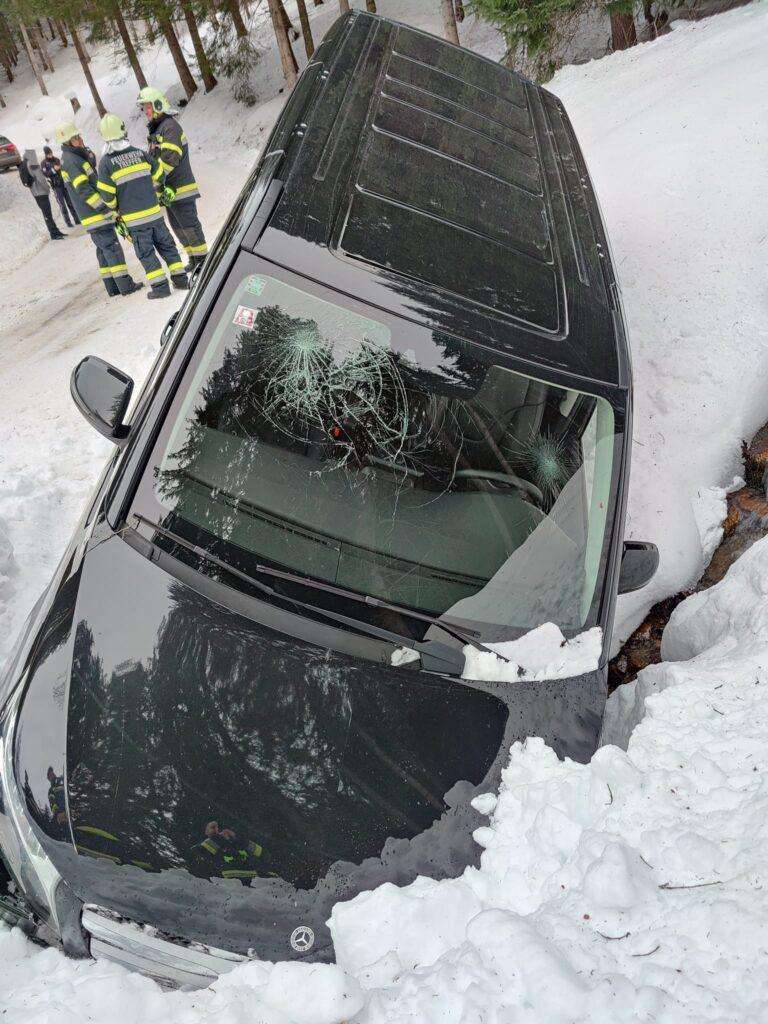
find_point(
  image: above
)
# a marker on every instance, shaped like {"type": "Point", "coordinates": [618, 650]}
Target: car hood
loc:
{"type": "Point", "coordinates": [229, 783]}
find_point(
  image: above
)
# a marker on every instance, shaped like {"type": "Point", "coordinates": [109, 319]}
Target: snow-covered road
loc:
{"type": "Point", "coordinates": [630, 889]}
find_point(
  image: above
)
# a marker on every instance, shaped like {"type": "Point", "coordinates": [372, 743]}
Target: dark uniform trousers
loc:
{"type": "Point", "coordinates": [66, 205]}
{"type": "Point", "coordinates": [111, 260]}
{"type": "Point", "coordinates": [183, 218]}
{"type": "Point", "coordinates": [150, 239]}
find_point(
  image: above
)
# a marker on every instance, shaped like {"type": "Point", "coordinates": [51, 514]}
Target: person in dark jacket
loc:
{"type": "Point", "coordinates": [51, 167]}
{"type": "Point", "coordinates": [168, 144]}
{"type": "Point", "coordinates": [127, 183]}
{"type": "Point", "coordinates": [79, 174]}
{"type": "Point", "coordinates": [32, 176]}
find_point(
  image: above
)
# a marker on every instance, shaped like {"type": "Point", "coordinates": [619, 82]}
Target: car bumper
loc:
{"type": "Point", "coordinates": [9, 160]}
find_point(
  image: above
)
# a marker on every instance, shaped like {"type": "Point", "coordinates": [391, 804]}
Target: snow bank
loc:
{"type": "Point", "coordinates": [674, 136]}
{"type": "Point", "coordinates": [543, 653]}
{"type": "Point", "coordinates": [630, 888]}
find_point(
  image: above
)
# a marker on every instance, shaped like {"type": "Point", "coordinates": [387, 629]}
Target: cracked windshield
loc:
{"type": "Point", "coordinates": [392, 461]}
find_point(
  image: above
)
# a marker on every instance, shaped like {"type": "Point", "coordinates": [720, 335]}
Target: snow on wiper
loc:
{"type": "Point", "coordinates": [435, 656]}
{"type": "Point", "coordinates": [459, 632]}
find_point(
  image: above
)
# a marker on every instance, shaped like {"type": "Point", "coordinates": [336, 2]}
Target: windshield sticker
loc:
{"type": "Point", "coordinates": [255, 285]}
{"type": "Point", "coordinates": [245, 316]}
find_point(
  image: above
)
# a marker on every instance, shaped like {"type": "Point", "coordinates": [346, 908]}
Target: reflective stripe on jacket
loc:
{"type": "Point", "coordinates": [168, 145]}
{"type": "Point", "coordinates": [79, 176]}
{"type": "Point", "coordinates": [127, 185]}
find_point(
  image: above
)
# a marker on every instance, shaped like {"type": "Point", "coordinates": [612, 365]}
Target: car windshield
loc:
{"type": "Point", "coordinates": [393, 461]}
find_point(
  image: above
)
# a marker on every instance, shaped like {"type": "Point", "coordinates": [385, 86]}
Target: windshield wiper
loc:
{"type": "Point", "coordinates": [435, 656]}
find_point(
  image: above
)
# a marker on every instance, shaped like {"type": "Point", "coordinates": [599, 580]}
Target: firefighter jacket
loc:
{"type": "Point", "coordinates": [79, 174]}
{"type": "Point", "coordinates": [168, 144]}
{"type": "Point", "coordinates": [127, 182]}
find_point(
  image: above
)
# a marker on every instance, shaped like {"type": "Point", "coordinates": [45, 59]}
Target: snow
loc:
{"type": "Point", "coordinates": [633, 887]}
{"type": "Point", "coordinates": [674, 136]}
{"type": "Point", "coordinates": [542, 653]}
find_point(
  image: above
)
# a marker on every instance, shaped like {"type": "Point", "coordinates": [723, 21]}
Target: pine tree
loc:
{"type": "Point", "coordinates": [450, 28]}
{"type": "Point", "coordinates": [306, 30]}
{"type": "Point", "coordinates": [83, 58]}
{"type": "Point", "coordinates": [130, 49]}
{"type": "Point", "coordinates": [287, 59]}
{"type": "Point", "coordinates": [209, 79]}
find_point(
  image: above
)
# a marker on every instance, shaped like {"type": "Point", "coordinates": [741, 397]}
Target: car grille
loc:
{"type": "Point", "coordinates": [141, 949]}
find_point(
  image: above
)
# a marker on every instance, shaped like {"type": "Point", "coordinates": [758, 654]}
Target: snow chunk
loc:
{"type": "Point", "coordinates": [544, 653]}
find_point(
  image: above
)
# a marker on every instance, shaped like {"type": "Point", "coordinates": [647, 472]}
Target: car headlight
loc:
{"type": "Point", "coordinates": [22, 852]}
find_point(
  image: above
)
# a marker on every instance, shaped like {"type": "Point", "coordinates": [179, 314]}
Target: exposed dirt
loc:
{"type": "Point", "coordinates": [746, 522]}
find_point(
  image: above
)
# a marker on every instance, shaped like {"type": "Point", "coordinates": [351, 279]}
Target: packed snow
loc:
{"type": "Point", "coordinates": [631, 888]}
{"type": "Point", "coordinates": [543, 653]}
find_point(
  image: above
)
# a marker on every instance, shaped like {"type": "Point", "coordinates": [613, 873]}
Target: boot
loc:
{"type": "Point", "coordinates": [134, 286]}
{"type": "Point", "coordinates": [180, 282]}
{"type": "Point", "coordinates": [159, 291]}
{"type": "Point", "coordinates": [57, 237]}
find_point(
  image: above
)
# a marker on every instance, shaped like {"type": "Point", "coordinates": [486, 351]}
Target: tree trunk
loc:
{"type": "Point", "coordinates": [39, 35]}
{"type": "Point", "coordinates": [623, 31]}
{"type": "Point", "coordinates": [32, 61]}
{"type": "Point", "coordinates": [62, 32]}
{"type": "Point", "coordinates": [237, 18]}
{"type": "Point", "coordinates": [287, 21]}
{"type": "Point", "coordinates": [318, 2]}
{"type": "Point", "coordinates": [6, 62]}
{"type": "Point", "coordinates": [2, 101]}
{"type": "Point", "coordinates": [343, 6]}
{"type": "Point", "coordinates": [306, 31]}
{"type": "Point", "coordinates": [459, 8]}
{"type": "Point", "coordinates": [450, 28]}
{"type": "Point", "coordinates": [209, 79]}
{"type": "Point", "coordinates": [86, 70]}
{"type": "Point", "coordinates": [287, 59]}
{"type": "Point", "coordinates": [130, 49]}
{"type": "Point", "coordinates": [185, 75]}
{"type": "Point", "coordinates": [370, 6]}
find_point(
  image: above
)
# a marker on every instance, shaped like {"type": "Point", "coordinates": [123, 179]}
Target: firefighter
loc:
{"type": "Point", "coordinates": [222, 853]}
{"type": "Point", "coordinates": [168, 144]}
{"type": "Point", "coordinates": [127, 181]}
{"type": "Point", "coordinates": [79, 173]}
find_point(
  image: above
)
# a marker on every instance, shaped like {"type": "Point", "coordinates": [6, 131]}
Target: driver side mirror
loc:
{"type": "Point", "coordinates": [102, 393]}
{"type": "Point", "coordinates": [639, 562]}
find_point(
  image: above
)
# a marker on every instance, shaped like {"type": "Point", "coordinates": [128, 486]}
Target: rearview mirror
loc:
{"type": "Point", "coordinates": [102, 393]}
{"type": "Point", "coordinates": [639, 562]}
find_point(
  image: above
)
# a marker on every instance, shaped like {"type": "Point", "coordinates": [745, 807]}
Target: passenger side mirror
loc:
{"type": "Point", "coordinates": [102, 393]}
{"type": "Point", "coordinates": [639, 562]}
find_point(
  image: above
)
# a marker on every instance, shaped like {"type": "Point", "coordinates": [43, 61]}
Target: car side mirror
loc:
{"type": "Point", "coordinates": [102, 393]}
{"type": "Point", "coordinates": [639, 562]}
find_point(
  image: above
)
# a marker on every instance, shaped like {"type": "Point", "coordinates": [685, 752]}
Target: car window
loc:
{"type": "Point", "coordinates": [347, 446]}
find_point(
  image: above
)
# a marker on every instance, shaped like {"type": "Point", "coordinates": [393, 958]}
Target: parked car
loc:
{"type": "Point", "coordinates": [9, 155]}
{"type": "Point", "coordinates": [390, 423]}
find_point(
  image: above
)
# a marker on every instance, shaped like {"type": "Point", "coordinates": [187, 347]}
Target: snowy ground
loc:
{"type": "Point", "coordinates": [632, 888]}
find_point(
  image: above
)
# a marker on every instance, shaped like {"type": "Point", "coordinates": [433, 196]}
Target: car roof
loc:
{"type": "Point", "coordinates": [438, 184]}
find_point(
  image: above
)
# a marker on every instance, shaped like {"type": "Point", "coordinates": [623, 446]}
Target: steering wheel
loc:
{"type": "Point", "coordinates": [507, 478]}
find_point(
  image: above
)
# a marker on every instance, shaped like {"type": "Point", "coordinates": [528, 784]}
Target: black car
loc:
{"type": "Point", "coordinates": [390, 424]}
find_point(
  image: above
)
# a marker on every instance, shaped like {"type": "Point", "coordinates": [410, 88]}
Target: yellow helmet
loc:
{"type": "Point", "coordinates": [158, 99]}
{"type": "Point", "coordinates": [112, 128]}
{"type": "Point", "coordinates": [66, 131]}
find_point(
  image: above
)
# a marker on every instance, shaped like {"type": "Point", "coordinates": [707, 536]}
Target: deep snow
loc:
{"type": "Point", "coordinates": [631, 888]}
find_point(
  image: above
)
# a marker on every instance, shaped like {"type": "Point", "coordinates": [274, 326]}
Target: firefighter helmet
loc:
{"type": "Point", "coordinates": [112, 128]}
{"type": "Point", "coordinates": [158, 99]}
{"type": "Point", "coordinates": [66, 131]}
